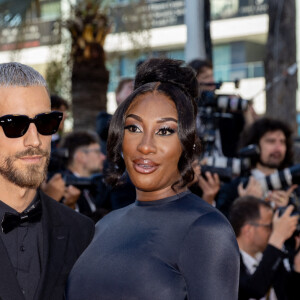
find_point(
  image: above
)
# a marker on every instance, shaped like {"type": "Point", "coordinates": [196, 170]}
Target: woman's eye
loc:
{"type": "Point", "coordinates": [165, 131]}
{"type": "Point", "coordinates": [132, 128]}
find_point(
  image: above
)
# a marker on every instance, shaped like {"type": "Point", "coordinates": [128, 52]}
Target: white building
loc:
{"type": "Point", "coordinates": [238, 30]}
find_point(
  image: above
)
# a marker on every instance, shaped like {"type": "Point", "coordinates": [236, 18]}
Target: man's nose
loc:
{"type": "Point", "coordinates": [32, 137]}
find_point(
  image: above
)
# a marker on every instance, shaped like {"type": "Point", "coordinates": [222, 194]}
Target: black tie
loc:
{"type": "Point", "coordinates": [32, 214]}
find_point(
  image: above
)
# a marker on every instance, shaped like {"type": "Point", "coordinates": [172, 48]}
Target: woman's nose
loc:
{"type": "Point", "coordinates": [147, 144]}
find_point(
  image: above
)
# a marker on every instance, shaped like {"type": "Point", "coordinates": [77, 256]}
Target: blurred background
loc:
{"type": "Point", "coordinates": [84, 48]}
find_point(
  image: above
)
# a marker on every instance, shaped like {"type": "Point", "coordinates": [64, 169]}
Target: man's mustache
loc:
{"type": "Point", "coordinates": [32, 152]}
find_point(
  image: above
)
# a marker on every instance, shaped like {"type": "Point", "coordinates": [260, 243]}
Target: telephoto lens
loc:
{"type": "Point", "coordinates": [281, 179]}
{"type": "Point", "coordinates": [232, 103]}
{"type": "Point", "coordinates": [227, 168]}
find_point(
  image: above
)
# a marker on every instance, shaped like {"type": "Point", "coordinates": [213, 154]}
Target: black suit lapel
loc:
{"type": "Point", "coordinates": [55, 239]}
{"type": "Point", "coordinates": [9, 286]}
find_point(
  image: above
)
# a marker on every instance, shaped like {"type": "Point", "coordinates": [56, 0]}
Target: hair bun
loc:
{"type": "Point", "coordinates": [167, 71]}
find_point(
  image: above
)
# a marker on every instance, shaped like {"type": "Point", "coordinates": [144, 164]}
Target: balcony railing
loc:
{"type": "Point", "coordinates": [238, 71]}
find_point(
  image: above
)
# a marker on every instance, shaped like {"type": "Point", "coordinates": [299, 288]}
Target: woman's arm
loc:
{"type": "Point", "coordinates": [209, 259]}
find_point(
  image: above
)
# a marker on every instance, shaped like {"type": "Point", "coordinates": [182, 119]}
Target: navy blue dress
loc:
{"type": "Point", "coordinates": [175, 248]}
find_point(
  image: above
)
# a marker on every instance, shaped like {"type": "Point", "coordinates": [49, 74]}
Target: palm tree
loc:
{"type": "Point", "coordinates": [89, 28]}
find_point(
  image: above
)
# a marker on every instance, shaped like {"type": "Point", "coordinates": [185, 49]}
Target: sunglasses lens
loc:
{"type": "Point", "coordinates": [48, 124]}
{"type": "Point", "coordinates": [15, 126]}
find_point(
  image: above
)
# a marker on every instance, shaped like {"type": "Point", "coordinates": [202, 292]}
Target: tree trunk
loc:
{"type": "Point", "coordinates": [89, 88]}
{"type": "Point", "coordinates": [280, 55]}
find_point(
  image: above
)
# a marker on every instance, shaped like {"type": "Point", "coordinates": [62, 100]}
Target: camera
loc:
{"type": "Point", "coordinates": [281, 179]}
{"type": "Point", "coordinates": [90, 183]}
{"type": "Point", "coordinates": [290, 243]}
{"type": "Point", "coordinates": [212, 108]}
{"type": "Point", "coordinates": [226, 168]}
{"type": "Point", "coordinates": [57, 164]}
{"type": "Point", "coordinates": [58, 160]}
{"type": "Point", "coordinates": [229, 167]}
{"type": "Point", "coordinates": [222, 102]}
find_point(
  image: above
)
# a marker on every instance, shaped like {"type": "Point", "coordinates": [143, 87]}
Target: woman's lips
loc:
{"type": "Point", "coordinates": [144, 166]}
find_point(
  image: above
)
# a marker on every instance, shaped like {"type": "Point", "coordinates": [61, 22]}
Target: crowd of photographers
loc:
{"type": "Point", "coordinates": [246, 171]}
{"type": "Point", "coordinates": [258, 191]}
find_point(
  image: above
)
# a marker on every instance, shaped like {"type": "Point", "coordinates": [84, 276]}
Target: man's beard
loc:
{"type": "Point", "coordinates": [272, 165]}
{"type": "Point", "coordinates": [32, 176]}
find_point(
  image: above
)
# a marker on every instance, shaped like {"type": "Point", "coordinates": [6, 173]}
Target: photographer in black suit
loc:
{"type": "Point", "coordinates": [265, 270]}
{"type": "Point", "coordinates": [40, 238]}
{"type": "Point", "coordinates": [84, 160]}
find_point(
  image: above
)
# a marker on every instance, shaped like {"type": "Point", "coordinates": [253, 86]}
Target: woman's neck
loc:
{"type": "Point", "coordinates": [160, 194]}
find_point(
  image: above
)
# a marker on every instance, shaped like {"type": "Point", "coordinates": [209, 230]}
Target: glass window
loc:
{"type": "Point", "coordinates": [50, 10]}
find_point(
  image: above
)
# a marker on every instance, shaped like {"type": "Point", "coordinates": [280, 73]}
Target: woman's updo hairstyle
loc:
{"type": "Point", "coordinates": [176, 81]}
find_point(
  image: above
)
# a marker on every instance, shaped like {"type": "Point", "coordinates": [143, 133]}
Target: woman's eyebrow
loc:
{"type": "Point", "coordinates": [161, 120]}
{"type": "Point", "coordinates": [134, 117]}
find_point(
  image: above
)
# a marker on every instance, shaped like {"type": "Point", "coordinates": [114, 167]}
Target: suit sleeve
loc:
{"type": "Point", "coordinates": [209, 259]}
{"type": "Point", "coordinates": [292, 290]}
{"type": "Point", "coordinates": [226, 196]}
{"type": "Point", "coordinates": [256, 285]}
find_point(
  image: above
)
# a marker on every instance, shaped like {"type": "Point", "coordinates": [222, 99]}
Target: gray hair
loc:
{"type": "Point", "coordinates": [16, 74]}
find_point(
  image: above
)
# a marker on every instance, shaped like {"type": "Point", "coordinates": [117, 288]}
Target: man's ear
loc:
{"type": "Point", "coordinates": [247, 230]}
{"type": "Point", "coordinates": [79, 156]}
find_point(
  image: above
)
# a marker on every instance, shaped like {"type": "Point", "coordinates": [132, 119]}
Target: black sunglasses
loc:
{"type": "Point", "coordinates": [15, 126]}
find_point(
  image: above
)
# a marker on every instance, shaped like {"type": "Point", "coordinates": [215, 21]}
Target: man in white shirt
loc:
{"type": "Point", "coordinates": [266, 272]}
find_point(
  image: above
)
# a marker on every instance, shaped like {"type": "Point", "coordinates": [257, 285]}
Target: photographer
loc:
{"type": "Point", "coordinates": [218, 131]}
{"type": "Point", "coordinates": [58, 104]}
{"type": "Point", "coordinates": [224, 129]}
{"type": "Point", "coordinates": [266, 269]}
{"type": "Point", "coordinates": [123, 90]}
{"type": "Point", "coordinates": [84, 160]}
{"type": "Point", "coordinates": [273, 138]}
{"type": "Point", "coordinates": [206, 187]}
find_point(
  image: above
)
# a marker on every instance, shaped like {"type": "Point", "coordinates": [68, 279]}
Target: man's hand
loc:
{"type": "Point", "coordinates": [209, 186]}
{"type": "Point", "coordinates": [71, 196]}
{"type": "Point", "coordinates": [253, 188]}
{"type": "Point", "coordinates": [279, 197]}
{"type": "Point", "coordinates": [197, 171]}
{"type": "Point", "coordinates": [55, 187]}
{"type": "Point", "coordinates": [283, 227]}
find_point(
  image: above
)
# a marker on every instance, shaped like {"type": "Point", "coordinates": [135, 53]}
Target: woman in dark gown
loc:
{"type": "Point", "coordinates": [169, 244]}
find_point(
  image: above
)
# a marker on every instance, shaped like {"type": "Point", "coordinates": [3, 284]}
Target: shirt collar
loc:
{"type": "Point", "coordinates": [250, 262]}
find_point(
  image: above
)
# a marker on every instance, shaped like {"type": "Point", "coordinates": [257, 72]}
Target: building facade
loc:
{"type": "Point", "coordinates": [157, 28]}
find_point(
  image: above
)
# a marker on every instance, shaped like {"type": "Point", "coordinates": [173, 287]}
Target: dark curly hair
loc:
{"type": "Point", "coordinates": [176, 81]}
{"type": "Point", "coordinates": [259, 128]}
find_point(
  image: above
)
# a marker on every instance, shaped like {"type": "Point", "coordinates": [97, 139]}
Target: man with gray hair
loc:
{"type": "Point", "coordinates": [40, 238]}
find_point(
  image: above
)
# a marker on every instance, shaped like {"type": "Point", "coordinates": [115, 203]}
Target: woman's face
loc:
{"type": "Point", "coordinates": [151, 146]}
